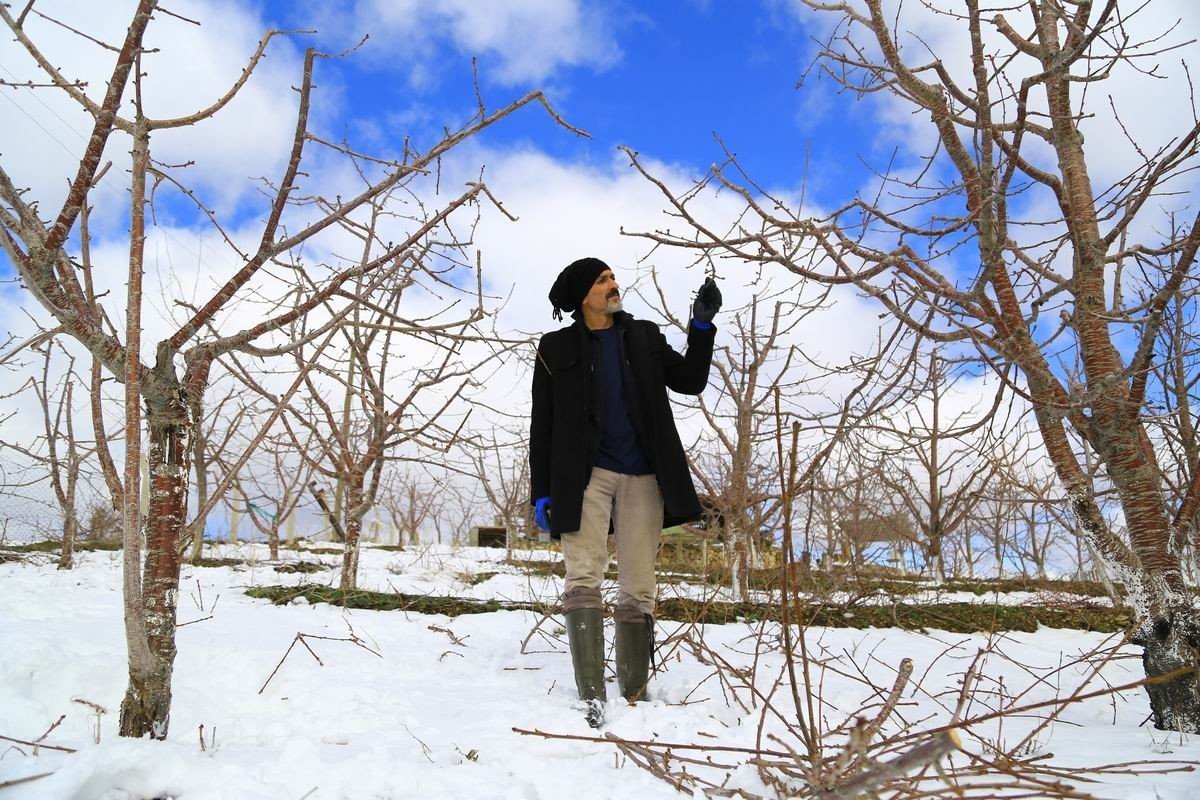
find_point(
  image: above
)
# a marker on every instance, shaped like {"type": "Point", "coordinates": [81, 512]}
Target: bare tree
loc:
{"type": "Point", "coordinates": [59, 451]}
{"type": "Point", "coordinates": [949, 251]}
{"type": "Point", "coordinates": [837, 497]}
{"type": "Point", "coordinates": [734, 462]}
{"type": "Point", "coordinates": [398, 414]}
{"type": "Point", "coordinates": [502, 469]}
{"type": "Point", "coordinates": [1023, 510]}
{"type": "Point", "coordinates": [42, 251]}
{"type": "Point", "coordinates": [935, 475]}
{"type": "Point", "coordinates": [273, 490]}
{"type": "Point", "coordinates": [853, 509]}
{"type": "Point", "coordinates": [213, 430]}
{"type": "Point", "coordinates": [1172, 394]}
{"type": "Point", "coordinates": [412, 501]}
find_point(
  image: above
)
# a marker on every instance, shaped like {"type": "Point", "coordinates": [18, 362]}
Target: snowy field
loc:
{"type": "Point", "coordinates": [426, 706]}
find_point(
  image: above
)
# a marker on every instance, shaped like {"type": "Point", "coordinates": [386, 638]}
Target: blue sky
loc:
{"type": "Point", "coordinates": [661, 78]}
{"type": "Point", "coordinates": [666, 78]}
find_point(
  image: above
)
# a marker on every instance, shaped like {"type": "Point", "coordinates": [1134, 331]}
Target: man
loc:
{"type": "Point", "coordinates": [604, 452]}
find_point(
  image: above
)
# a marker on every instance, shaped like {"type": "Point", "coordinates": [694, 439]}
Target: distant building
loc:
{"type": "Point", "coordinates": [487, 536]}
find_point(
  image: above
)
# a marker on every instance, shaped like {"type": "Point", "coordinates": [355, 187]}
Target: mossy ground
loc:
{"type": "Point", "coordinates": [302, 567]}
{"type": "Point", "coordinates": [388, 601]}
{"type": "Point", "coordinates": [55, 546]}
{"type": "Point", "coordinates": [888, 608]}
{"type": "Point", "coordinates": [865, 582]}
{"type": "Point", "coordinates": [952, 617]}
{"type": "Point", "coordinates": [475, 578]}
{"type": "Point", "coordinates": [220, 562]}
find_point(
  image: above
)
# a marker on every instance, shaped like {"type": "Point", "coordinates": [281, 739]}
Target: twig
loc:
{"type": "Point", "coordinates": [424, 747]}
{"type": "Point", "coordinates": [921, 755]}
{"type": "Point", "coordinates": [26, 779]}
{"type": "Point", "coordinates": [1007, 712]}
{"type": "Point", "coordinates": [532, 631]}
{"type": "Point", "coordinates": [37, 744]}
{"type": "Point", "coordinates": [303, 638]}
{"type": "Point", "coordinates": [889, 705]}
{"type": "Point", "coordinates": [96, 708]}
{"type": "Point", "coordinates": [460, 642]}
{"type": "Point", "coordinates": [609, 739]}
{"type": "Point", "coordinates": [50, 730]}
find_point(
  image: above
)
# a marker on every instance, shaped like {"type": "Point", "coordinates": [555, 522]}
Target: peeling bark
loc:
{"type": "Point", "coordinates": [147, 705]}
{"type": "Point", "coordinates": [1171, 643]}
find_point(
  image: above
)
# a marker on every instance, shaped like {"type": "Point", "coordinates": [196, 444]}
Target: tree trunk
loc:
{"type": "Point", "coordinates": [66, 559]}
{"type": "Point", "coordinates": [235, 516]}
{"type": "Point", "coordinates": [1172, 643]}
{"type": "Point", "coordinates": [1169, 628]}
{"type": "Point", "coordinates": [200, 462]}
{"type": "Point", "coordinates": [1080, 573]}
{"type": "Point", "coordinates": [146, 708]}
{"type": "Point", "coordinates": [933, 554]}
{"type": "Point", "coordinates": [273, 535]}
{"type": "Point", "coordinates": [998, 552]}
{"type": "Point", "coordinates": [738, 583]}
{"type": "Point", "coordinates": [970, 554]}
{"type": "Point", "coordinates": [352, 533]}
{"type": "Point", "coordinates": [1039, 559]}
{"type": "Point", "coordinates": [743, 559]}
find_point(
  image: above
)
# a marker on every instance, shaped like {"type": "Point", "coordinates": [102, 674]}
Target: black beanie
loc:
{"type": "Point", "coordinates": [573, 284]}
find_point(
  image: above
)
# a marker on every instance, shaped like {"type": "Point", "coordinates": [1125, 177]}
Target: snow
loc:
{"type": "Point", "coordinates": [426, 706]}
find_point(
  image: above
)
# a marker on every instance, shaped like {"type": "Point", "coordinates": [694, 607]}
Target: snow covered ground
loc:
{"type": "Point", "coordinates": [427, 705]}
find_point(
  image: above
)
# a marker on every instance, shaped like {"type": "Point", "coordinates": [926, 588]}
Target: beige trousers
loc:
{"type": "Point", "coordinates": [635, 506]}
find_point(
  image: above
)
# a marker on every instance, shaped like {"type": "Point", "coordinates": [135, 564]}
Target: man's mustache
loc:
{"type": "Point", "coordinates": [614, 293]}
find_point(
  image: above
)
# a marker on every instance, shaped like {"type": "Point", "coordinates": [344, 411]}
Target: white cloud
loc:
{"type": "Point", "coordinates": [570, 210]}
{"type": "Point", "coordinates": [530, 41]}
{"type": "Point", "coordinates": [1154, 110]}
{"type": "Point", "coordinates": [193, 66]}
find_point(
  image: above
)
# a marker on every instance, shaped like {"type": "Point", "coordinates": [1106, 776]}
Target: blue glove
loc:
{"type": "Point", "coordinates": [541, 513]}
{"type": "Point", "coordinates": [708, 303]}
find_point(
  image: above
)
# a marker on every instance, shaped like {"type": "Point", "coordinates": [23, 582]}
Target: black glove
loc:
{"type": "Point", "coordinates": [708, 303]}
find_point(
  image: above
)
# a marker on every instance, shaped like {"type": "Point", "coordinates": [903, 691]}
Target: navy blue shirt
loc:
{"type": "Point", "coordinates": [620, 450]}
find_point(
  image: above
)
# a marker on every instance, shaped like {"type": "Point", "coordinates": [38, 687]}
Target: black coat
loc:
{"type": "Point", "coordinates": [565, 432]}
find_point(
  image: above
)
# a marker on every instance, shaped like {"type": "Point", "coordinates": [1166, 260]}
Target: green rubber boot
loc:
{"type": "Point", "coordinates": [635, 644]}
{"type": "Point", "coordinates": [585, 633]}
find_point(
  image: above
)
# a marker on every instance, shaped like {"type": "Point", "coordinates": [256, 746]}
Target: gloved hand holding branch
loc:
{"type": "Point", "coordinates": [707, 304]}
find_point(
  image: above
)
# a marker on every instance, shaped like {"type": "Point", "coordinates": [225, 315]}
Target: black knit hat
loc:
{"type": "Point", "coordinates": [573, 284]}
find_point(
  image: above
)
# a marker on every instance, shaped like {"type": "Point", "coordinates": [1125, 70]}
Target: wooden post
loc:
{"type": "Point", "coordinates": [291, 529]}
{"type": "Point", "coordinates": [235, 516]}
